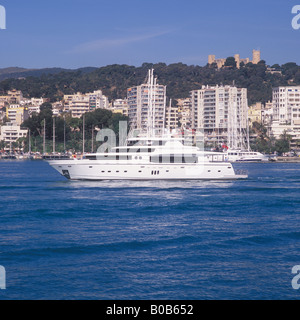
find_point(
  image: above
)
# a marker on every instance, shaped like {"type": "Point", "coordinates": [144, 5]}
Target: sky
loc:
{"type": "Point", "coordinates": [80, 33]}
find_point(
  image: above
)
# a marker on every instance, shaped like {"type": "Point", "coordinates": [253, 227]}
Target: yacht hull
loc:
{"type": "Point", "coordinates": [95, 170]}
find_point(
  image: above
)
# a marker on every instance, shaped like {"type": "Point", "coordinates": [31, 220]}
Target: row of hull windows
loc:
{"type": "Point", "coordinates": [242, 154]}
{"type": "Point", "coordinates": [153, 172]}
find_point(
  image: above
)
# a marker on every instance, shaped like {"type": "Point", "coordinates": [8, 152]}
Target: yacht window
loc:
{"type": "Point", "coordinates": [114, 157]}
{"type": "Point", "coordinates": [174, 158]}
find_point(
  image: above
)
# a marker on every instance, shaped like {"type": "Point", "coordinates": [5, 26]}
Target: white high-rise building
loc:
{"type": "Point", "coordinates": [221, 111]}
{"type": "Point", "coordinates": [143, 100]}
{"type": "Point", "coordinates": [286, 113]}
{"type": "Point", "coordinates": [286, 105]}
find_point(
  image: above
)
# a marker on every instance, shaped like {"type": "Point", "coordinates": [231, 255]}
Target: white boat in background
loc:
{"type": "Point", "coordinates": [238, 149]}
{"type": "Point", "coordinates": [245, 156]}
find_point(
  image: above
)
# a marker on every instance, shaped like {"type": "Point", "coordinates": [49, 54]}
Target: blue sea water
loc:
{"type": "Point", "coordinates": [117, 240]}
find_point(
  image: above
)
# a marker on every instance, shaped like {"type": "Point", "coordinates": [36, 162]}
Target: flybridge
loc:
{"type": "Point", "coordinates": [2, 17]}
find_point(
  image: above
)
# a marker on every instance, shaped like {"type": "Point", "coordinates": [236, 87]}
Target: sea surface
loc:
{"type": "Point", "coordinates": [201, 240]}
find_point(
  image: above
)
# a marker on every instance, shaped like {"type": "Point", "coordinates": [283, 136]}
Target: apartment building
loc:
{"type": "Point", "coordinates": [286, 112]}
{"type": "Point", "coordinates": [17, 114]}
{"type": "Point", "coordinates": [286, 105]}
{"type": "Point", "coordinates": [98, 100]}
{"type": "Point", "coordinates": [14, 96]}
{"type": "Point", "coordinates": [11, 133]}
{"type": "Point", "coordinates": [34, 104]}
{"type": "Point", "coordinates": [185, 111]}
{"type": "Point", "coordinates": [255, 113]}
{"type": "Point", "coordinates": [120, 106]}
{"type": "Point", "coordinates": [212, 107]}
{"type": "Point", "coordinates": [172, 118]}
{"type": "Point", "coordinates": [219, 111]}
{"type": "Point", "coordinates": [78, 104]}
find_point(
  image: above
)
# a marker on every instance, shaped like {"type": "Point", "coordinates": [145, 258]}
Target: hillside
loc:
{"type": "Point", "coordinates": [16, 72]}
{"type": "Point", "coordinates": [179, 78]}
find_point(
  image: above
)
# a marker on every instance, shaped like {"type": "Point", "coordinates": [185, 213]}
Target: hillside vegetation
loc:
{"type": "Point", "coordinates": [179, 78]}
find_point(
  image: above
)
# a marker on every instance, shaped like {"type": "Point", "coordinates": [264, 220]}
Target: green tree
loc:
{"type": "Point", "coordinates": [230, 62]}
{"type": "Point", "coordinates": [282, 145]}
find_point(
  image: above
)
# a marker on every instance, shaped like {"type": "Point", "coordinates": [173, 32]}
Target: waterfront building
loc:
{"type": "Point", "coordinates": [11, 133]}
{"type": "Point", "coordinates": [138, 99]}
{"type": "Point", "coordinates": [219, 111]}
{"type": "Point", "coordinates": [286, 105]}
{"type": "Point", "coordinates": [286, 113]}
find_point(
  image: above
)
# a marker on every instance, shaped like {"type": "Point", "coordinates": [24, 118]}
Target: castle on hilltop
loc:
{"type": "Point", "coordinates": [221, 62]}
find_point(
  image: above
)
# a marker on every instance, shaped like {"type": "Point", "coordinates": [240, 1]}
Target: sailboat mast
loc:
{"type": "Point", "coordinates": [83, 135]}
{"type": "Point", "coordinates": [248, 135]}
{"type": "Point", "coordinates": [150, 124]}
{"type": "Point", "coordinates": [44, 138]}
{"type": "Point", "coordinates": [53, 135]}
{"type": "Point", "coordinates": [29, 148]}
